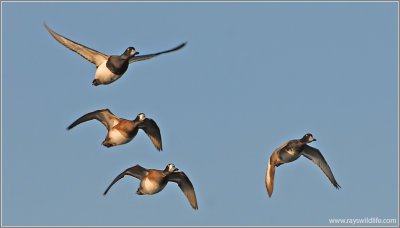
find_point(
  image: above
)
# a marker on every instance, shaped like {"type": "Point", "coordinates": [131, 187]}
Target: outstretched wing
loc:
{"type": "Point", "coordinates": [89, 54]}
{"type": "Point", "coordinates": [315, 155]}
{"type": "Point", "coordinates": [104, 116]}
{"type": "Point", "coordinates": [270, 174]}
{"type": "Point", "coordinates": [144, 57]}
{"type": "Point", "coordinates": [136, 171]}
{"type": "Point", "coordinates": [153, 131]}
{"type": "Point", "coordinates": [185, 185]}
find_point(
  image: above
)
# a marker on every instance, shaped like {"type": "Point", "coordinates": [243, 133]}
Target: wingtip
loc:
{"type": "Point", "coordinates": [181, 45]}
{"type": "Point", "coordinates": [45, 26]}
{"type": "Point", "coordinates": [106, 191]}
{"type": "Point", "coordinates": [194, 205]}
{"type": "Point", "coordinates": [158, 146]}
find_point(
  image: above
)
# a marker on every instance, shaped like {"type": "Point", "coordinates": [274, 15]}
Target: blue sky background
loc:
{"type": "Point", "coordinates": [252, 76]}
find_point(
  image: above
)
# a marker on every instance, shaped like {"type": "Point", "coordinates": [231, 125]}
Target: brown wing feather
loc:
{"type": "Point", "coordinates": [315, 155]}
{"type": "Point", "coordinates": [185, 185]}
{"type": "Point", "coordinates": [144, 57]}
{"type": "Point", "coordinates": [136, 171]}
{"type": "Point", "coordinates": [104, 116]}
{"type": "Point", "coordinates": [89, 54]}
{"type": "Point", "coordinates": [269, 177]}
{"type": "Point", "coordinates": [270, 174]}
{"type": "Point", "coordinates": [153, 131]}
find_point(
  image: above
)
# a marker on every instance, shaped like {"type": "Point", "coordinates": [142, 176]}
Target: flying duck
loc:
{"type": "Point", "coordinates": [109, 67]}
{"type": "Point", "coordinates": [291, 151]}
{"type": "Point", "coordinates": [121, 131]}
{"type": "Point", "coordinates": [153, 181]}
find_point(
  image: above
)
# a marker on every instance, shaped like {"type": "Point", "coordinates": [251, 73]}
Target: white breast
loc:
{"type": "Point", "coordinates": [115, 137]}
{"type": "Point", "coordinates": [150, 187]}
{"type": "Point", "coordinates": [104, 75]}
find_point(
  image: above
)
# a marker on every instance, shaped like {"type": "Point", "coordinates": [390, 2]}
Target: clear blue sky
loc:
{"type": "Point", "coordinates": [252, 76]}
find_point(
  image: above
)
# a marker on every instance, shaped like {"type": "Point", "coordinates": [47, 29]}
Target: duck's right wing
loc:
{"type": "Point", "coordinates": [315, 155]}
{"type": "Point", "coordinates": [136, 171]}
{"type": "Point", "coordinates": [104, 116]}
{"type": "Point", "coordinates": [89, 54]}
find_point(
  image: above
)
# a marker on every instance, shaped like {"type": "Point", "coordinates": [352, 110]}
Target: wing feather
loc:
{"type": "Point", "coordinates": [105, 116]}
{"type": "Point", "coordinates": [149, 56]}
{"type": "Point", "coordinates": [136, 171]}
{"type": "Point", "coordinates": [185, 185]}
{"type": "Point", "coordinates": [315, 156]}
{"type": "Point", "coordinates": [89, 54]}
{"type": "Point", "coordinates": [270, 174]}
{"type": "Point", "coordinates": [269, 177]}
{"type": "Point", "coordinates": [153, 131]}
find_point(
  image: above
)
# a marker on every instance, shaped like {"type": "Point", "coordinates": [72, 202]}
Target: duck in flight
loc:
{"type": "Point", "coordinates": [109, 67]}
{"type": "Point", "coordinates": [121, 131]}
{"type": "Point", "coordinates": [153, 181]}
{"type": "Point", "coordinates": [291, 151]}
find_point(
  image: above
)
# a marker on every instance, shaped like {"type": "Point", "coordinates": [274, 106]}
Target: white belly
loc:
{"type": "Point", "coordinates": [115, 137]}
{"type": "Point", "coordinates": [104, 75]}
{"type": "Point", "coordinates": [150, 187]}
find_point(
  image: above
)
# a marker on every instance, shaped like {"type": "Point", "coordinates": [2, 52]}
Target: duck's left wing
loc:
{"type": "Point", "coordinates": [185, 185]}
{"type": "Point", "coordinates": [144, 57]}
{"type": "Point", "coordinates": [315, 155]}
